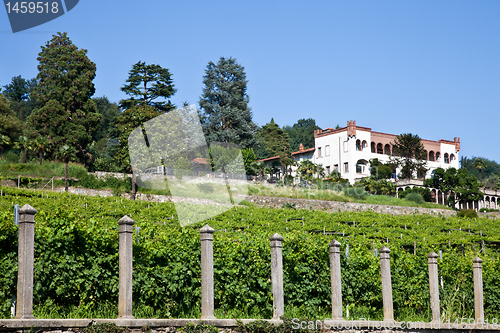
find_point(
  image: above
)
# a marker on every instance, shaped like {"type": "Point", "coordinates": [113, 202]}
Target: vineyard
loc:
{"type": "Point", "coordinates": [76, 260]}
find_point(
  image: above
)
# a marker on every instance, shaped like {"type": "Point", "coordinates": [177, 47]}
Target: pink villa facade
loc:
{"type": "Point", "coordinates": [349, 150]}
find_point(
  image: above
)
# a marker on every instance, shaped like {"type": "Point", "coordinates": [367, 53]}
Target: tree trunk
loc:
{"type": "Point", "coordinates": [23, 155]}
{"type": "Point", "coordinates": [40, 152]}
{"type": "Point", "coordinates": [1, 152]}
{"type": "Point", "coordinates": [66, 162]}
{"type": "Point", "coordinates": [133, 186]}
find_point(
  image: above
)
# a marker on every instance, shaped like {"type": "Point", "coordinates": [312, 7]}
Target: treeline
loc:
{"type": "Point", "coordinates": [487, 171]}
{"type": "Point", "coordinates": [54, 116]}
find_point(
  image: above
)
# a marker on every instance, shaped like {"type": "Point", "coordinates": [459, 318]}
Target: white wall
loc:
{"type": "Point", "coordinates": [343, 150]}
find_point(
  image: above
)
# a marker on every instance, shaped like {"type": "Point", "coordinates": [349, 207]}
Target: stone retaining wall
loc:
{"type": "Point", "coordinates": [278, 202]}
{"type": "Point", "coordinates": [335, 206]}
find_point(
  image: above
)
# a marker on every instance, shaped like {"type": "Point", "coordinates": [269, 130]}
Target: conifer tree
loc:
{"type": "Point", "coordinates": [147, 83]}
{"type": "Point", "coordinates": [225, 115]}
{"type": "Point", "coordinates": [67, 115]}
{"type": "Point", "coordinates": [277, 143]}
{"type": "Point", "coordinates": [10, 126]}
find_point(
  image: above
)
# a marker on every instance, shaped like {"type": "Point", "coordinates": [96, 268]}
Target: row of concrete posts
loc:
{"type": "Point", "coordinates": [24, 308]}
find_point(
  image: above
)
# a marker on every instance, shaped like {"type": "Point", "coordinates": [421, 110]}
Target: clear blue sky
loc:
{"type": "Point", "coordinates": [430, 68]}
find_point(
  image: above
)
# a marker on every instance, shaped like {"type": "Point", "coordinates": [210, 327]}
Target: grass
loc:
{"type": "Point", "coordinates": [297, 193]}
{"type": "Point", "coordinates": [393, 201]}
{"type": "Point", "coordinates": [291, 192]}
{"type": "Point", "coordinates": [35, 170]}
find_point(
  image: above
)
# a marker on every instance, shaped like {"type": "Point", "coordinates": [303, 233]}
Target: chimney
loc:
{"type": "Point", "coordinates": [457, 144]}
{"type": "Point", "coordinates": [351, 128]}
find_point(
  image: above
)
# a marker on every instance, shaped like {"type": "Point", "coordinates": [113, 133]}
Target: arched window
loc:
{"type": "Point", "coordinates": [358, 145]}
{"type": "Point", "coordinates": [364, 145]}
{"type": "Point", "coordinates": [438, 156]}
{"type": "Point", "coordinates": [380, 150]}
{"type": "Point", "coordinates": [387, 149]}
{"type": "Point", "coordinates": [446, 158]}
{"type": "Point", "coordinates": [374, 150]}
{"type": "Point", "coordinates": [431, 156]}
{"type": "Point", "coordinates": [361, 166]}
{"type": "Point", "coordinates": [452, 157]}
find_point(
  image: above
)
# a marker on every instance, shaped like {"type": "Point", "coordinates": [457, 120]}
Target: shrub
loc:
{"type": "Point", "coordinates": [423, 191]}
{"type": "Point", "coordinates": [288, 205]}
{"type": "Point", "coordinates": [485, 210]}
{"type": "Point", "coordinates": [467, 213]}
{"type": "Point", "coordinates": [11, 157]}
{"type": "Point", "coordinates": [415, 197]}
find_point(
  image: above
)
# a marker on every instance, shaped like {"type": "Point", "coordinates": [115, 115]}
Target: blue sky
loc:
{"type": "Point", "coordinates": [430, 68]}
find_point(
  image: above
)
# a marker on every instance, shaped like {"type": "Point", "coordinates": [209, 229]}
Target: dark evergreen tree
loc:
{"type": "Point", "coordinates": [277, 144]}
{"type": "Point", "coordinates": [67, 115]}
{"type": "Point", "coordinates": [225, 115]}
{"type": "Point", "coordinates": [147, 83]}
{"type": "Point", "coordinates": [19, 94]}
{"type": "Point", "coordinates": [129, 120]}
{"type": "Point", "coordinates": [260, 146]}
{"type": "Point", "coordinates": [10, 126]}
{"type": "Point", "coordinates": [109, 112]}
{"type": "Point", "coordinates": [301, 132]}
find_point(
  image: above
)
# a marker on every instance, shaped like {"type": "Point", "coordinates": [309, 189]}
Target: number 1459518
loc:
{"type": "Point", "coordinates": [32, 7]}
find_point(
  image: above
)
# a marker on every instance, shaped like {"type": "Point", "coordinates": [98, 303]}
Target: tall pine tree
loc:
{"type": "Point", "coordinates": [225, 115]}
{"type": "Point", "coordinates": [67, 115]}
{"type": "Point", "coordinates": [147, 83]}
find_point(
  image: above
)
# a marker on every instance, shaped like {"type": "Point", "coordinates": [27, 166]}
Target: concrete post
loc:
{"type": "Point", "coordinates": [207, 272]}
{"type": "Point", "coordinates": [26, 257]}
{"type": "Point", "coordinates": [477, 271]}
{"type": "Point", "coordinates": [434, 286]}
{"type": "Point", "coordinates": [125, 265]}
{"type": "Point", "coordinates": [336, 280]}
{"type": "Point", "coordinates": [277, 276]}
{"type": "Point", "coordinates": [385, 271]}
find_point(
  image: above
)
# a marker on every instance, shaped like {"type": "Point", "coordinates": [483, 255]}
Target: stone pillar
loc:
{"type": "Point", "coordinates": [26, 257]}
{"type": "Point", "coordinates": [277, 276]}
{"type": "Point", "coordinates": [434, 286]}
{"type": "Point", "coordinates": [125, 265]}
{"type": "Point", "coordinates": [385, 270]}
{"type": "Point", "coordinates": [207, 272]}
{"type": "Point", "coordinates": [437, 196]}
{"type": "Point", "coordinates": [477, 270]}
{"type": "Point", "coordinates": [336, 280]}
